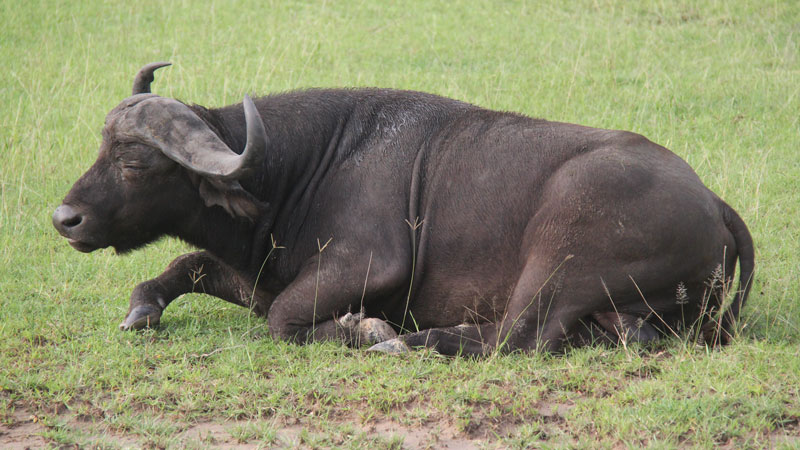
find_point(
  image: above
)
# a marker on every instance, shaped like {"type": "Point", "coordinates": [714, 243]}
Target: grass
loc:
{"type": "Point", "coordinates": [715, 81]}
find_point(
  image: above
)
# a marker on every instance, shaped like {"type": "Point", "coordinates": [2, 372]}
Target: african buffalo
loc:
{"type": "Point", "coordinates": [354, 214]}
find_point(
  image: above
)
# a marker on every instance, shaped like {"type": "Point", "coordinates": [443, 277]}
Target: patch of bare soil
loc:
{"type": "Point", "coordinates": [22, 433]}
{"type": "Point", "coordinates": [218, 434]}
{"type": "Point", "coordinates": [25, 431]}
{"type": "Point", "coordinates": [788, 437]}
{"type": "Point", "coordinates": [435, 436]}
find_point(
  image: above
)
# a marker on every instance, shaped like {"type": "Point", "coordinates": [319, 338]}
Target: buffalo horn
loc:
{"type": "Point", "coordinates": [231, 166]}
{"type": "Point", "coordinates": [141, 84]}
{"type": "Point", "coordinates": [182, 136]}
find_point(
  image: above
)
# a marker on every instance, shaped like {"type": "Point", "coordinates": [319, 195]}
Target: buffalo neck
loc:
{"type": "Point", "coordinates": [303, 129]}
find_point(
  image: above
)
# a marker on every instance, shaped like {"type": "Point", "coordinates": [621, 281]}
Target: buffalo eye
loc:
{"type": "Point", "coordinates": [130, 164]}
{"type": "Point", "coordinates": [133, 167]}
{"type": "Point", "coordinates": [131, 157]}
{"type": "Point", "coordinates": [130, 167]}
{"type": "Point", "coordinates": [134, 159]}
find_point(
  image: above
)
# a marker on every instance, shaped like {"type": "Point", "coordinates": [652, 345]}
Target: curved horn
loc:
{"type": "Point", "coordinates": [141, 84]}
{"type": "Point", "coordinates": [183, 137]}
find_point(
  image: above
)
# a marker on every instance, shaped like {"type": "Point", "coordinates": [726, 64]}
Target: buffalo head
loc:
{"type": "Point", "coordinates": [159, 164]}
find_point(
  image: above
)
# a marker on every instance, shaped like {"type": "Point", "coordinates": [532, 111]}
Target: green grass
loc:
{"type": "Point", "coordinates": [718, 82]}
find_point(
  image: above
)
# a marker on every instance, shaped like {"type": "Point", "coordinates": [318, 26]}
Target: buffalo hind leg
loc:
{"type": "Point", "coordinates": [542, 315]}
{"type": "Point", "coordinates": [197, 272]}
{"type": "Point", "coordinates": [463, 340]}
{"type": "Point", "coordinates": [627, 327]}
{"type": "Point", "coordinates": [323, 302]}
{"type": "Point", "coordinates": [480, 340]}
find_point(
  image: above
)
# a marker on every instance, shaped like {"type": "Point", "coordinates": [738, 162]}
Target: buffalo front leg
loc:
{"type": "Point", "coordinates": [198, 272]}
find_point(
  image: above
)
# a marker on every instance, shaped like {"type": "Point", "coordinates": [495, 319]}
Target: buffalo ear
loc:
{"type": "Point", "coordinates": [231, 197]}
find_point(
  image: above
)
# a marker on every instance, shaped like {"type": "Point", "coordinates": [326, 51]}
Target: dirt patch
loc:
{"type": "Point", "coordinates": [436, 436]}
{"type": "Point", "coordinates": [290, 436]}
{"type": "Point", "coordinates": [23, 431]}
{"type": "Point", "coordinates": [211, 432]}
{"type": "Point", "coordinates": [553, 411]}
{"type": "Point", "coordinates": [789, 436]}
{"type": "Point", "coordinates": [26, 430]}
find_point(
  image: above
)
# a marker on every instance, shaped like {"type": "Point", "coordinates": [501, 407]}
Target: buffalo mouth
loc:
{"type": "Point", "coordinates": [80, 246]}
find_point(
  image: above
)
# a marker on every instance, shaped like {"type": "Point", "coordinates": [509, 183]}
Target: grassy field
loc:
{"type": "Point", "coordinates": [715, 81]}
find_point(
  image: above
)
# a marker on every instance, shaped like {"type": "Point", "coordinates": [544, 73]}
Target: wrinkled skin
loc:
{"type": "Point", "coordinates": [476, 230]}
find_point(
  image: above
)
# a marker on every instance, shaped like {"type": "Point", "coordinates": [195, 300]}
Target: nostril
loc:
{"type": "Point", "coordinates": [72, 221]}
{"type": "Point", "coordinates": [66, 217]}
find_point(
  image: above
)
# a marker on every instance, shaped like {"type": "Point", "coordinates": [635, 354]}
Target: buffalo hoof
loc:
{"type": "Point", "coordinates": [143, 316]}
{"type": "Point", "coordinates": [366, 330]}
{"type": "Point", "coordinates": [392, 346]}
{"type": "Point", "coordinates": [350, 320]}
{"type": "Point", "coordinates": [374, 331]}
